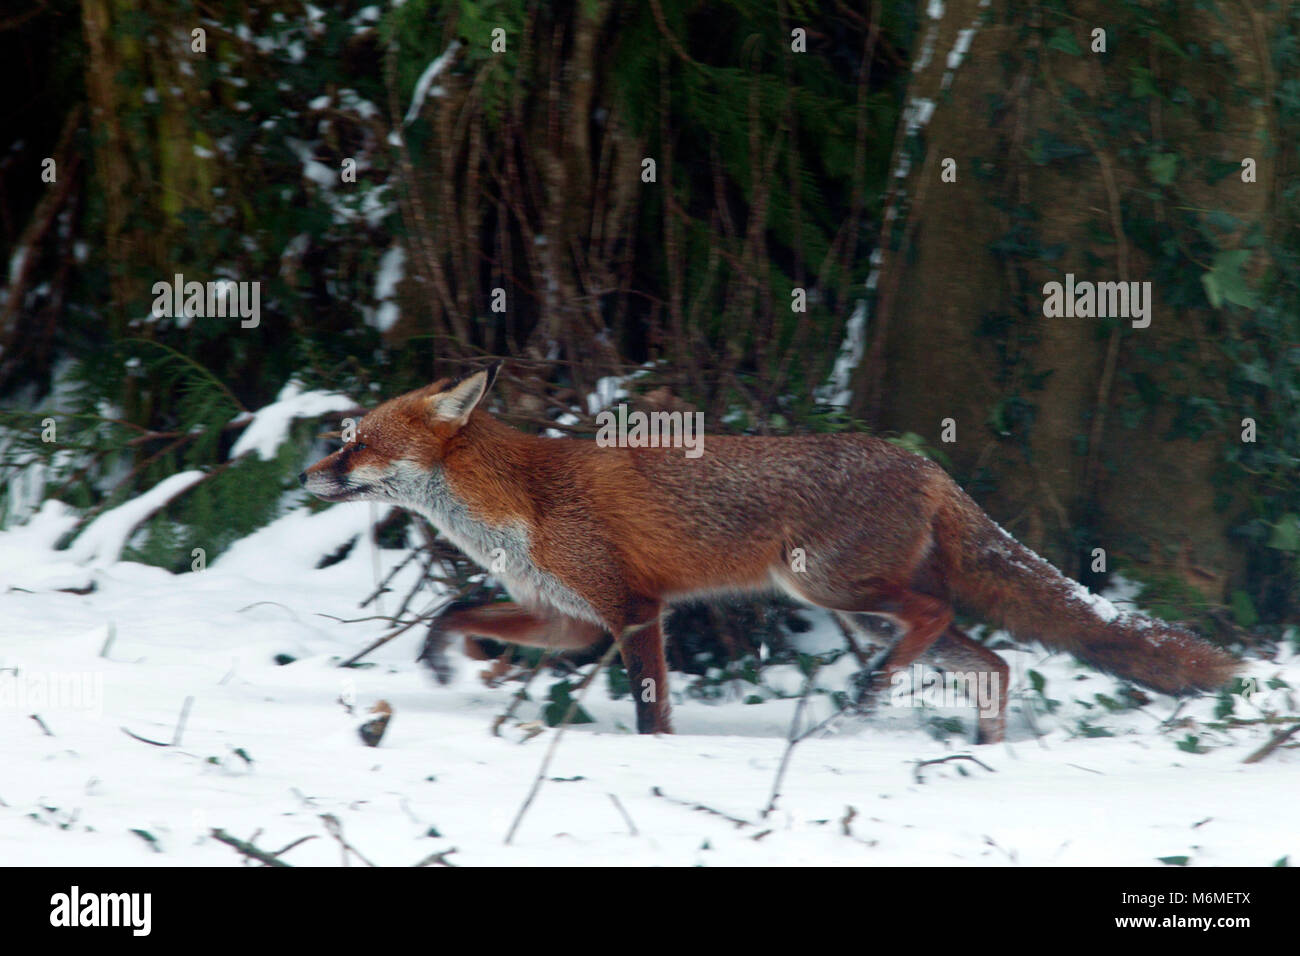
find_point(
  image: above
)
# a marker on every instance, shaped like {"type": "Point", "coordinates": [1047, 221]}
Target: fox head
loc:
{"type": "Point", "coordinates": [400, 445]}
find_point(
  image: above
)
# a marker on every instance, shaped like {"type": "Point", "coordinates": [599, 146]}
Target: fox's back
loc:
{"type": "Point", "coordinates": [743, 505]}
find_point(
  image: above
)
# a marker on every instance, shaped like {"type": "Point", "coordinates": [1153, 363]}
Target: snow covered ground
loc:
{"type": "Point", "coordinates": [268, 748]}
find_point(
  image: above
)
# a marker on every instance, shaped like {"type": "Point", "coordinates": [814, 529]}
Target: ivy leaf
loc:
{"type": "Point", "coordinates": [1163, 167]}
{"type": "Point", "coordinates": [1165, 40]}
{"type": "Point", "coordinates": [1064, 41]}
{"type": "Point", "coordinates": [1257, 373]}
{"type": "Point", "coordinates": [560, 700]}
{"type": "Point", "coordinates": [1286, 534]}
{"type": "Point", "coordinates": [1224, 281]}
{"type": "Point", "coordinates": [1141, 83]}
{"type": "Point", "coordinates": [1222, 221]}
{"type": "Point", "coordinates": [1243, 609]}
{"type": "Point", "coordinates": [1216, 169]}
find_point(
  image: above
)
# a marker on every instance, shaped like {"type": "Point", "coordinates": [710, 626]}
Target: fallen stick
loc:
{"type": "Point", "coordinates": [916, 770]}
{"type": "Point", "coordinates": [285, 849]}
{"type": "Point", "coordinates": [440, 858]}
{"type": "Point", "coordinates": [145, 740]}
{"type": "Point", "coordinates": [1277, 740]}
{"type": "Point", "coordinates": [176, 734]}
{"type": "Point", "coordinates": [738, 821]}
{"type": "Point", "coordinates": [247, 849]}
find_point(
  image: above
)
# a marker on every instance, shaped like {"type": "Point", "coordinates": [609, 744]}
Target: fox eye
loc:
{"type": "Point", "coordinates": [361, 446]}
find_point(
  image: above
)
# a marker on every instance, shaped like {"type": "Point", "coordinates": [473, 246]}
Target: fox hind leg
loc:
{"type": "Point", "coordinates": [921, 617]}
{"type": "Point", "coordinates": [984, 671]}
{"type": "Point", "coordinates": [921, 620]}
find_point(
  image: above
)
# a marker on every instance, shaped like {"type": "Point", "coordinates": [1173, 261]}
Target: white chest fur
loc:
{"type": "Point", "coordinates": [503, 550]}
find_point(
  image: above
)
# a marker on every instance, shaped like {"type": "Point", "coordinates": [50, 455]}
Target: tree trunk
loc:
{"type": "Point", "coordinates": [1039, 172]}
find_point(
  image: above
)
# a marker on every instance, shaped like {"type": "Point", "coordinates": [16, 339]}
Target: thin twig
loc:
{"type": "Point", "coordinates": [285, 849]}
{"type": "Point", "coordinates": [362, 620]}
{"type": "Point", "coordinates": [248, 850]}
{"type": "Point", "coordinates": [180, 723]}
{"type": "Point", "coordinates": [249, 607]}
{"type": "Point", "coordinates": [791, 739]}
{"type": "Point", "coordinates": [627, 819]}
{"type": "Point", "coordinates": [873, 667]}
{"type": "Point", "coordinates": [383, 585]}
{"type": "Point", "coordinates": [521, 693]}
{"type": "Point", "coordinates": [440, 858]}
{"type": "Point", "coordinates": [559, 731]}
{"type": "Point", "coordinates": [916, 770]}
{"type": "Point", "coordinates": [426, 615]}
{"type": "Point", "coordinates": [145, 740]}
{"type": "Point", "coordinates": [738, 821]}
{"type": "Point", "coordinates": [1087, 769]}
{"type": "Point", "coordinates": [108, 640]}
{"type": "Point", "coordinates": [335, 829]}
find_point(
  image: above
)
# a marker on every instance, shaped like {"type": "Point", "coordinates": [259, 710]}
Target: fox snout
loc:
{"type": "Point", "coordinates": [328, 481]}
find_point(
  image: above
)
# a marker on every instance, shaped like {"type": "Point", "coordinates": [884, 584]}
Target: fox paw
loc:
{"type": "Point", "coordinates": [868, 688]}
{"type": "Point", "coordinates": [434, 655]}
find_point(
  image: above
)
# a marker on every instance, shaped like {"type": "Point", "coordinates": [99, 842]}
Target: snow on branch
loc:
{"type": "Point", "coordinates": [423, 85]}
{"type": "Point", "coordinates": [268, 427]}
{"type": "Point", "coordinates": [106, 536]}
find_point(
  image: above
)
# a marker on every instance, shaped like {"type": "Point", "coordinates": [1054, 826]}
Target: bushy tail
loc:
{"type": "Point", "coordinates": [997, 579]}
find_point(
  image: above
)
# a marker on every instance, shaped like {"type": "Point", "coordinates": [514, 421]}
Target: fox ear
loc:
{"type": "Point", "coordinates": [455, 402]}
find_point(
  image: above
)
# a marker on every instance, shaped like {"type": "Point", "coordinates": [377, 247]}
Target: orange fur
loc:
{"type": "Point", "coordinates": [605, 539]}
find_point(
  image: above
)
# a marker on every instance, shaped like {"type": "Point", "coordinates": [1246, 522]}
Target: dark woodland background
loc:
{"type": "Point", "coordinates": [774, 171]}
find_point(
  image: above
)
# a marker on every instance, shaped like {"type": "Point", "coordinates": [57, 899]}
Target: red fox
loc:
{"type": "Point", "coordinates": [590, 539]}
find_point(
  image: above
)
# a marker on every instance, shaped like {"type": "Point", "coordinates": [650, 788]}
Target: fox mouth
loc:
{"type": "Point", "coordinates": [350, 493]}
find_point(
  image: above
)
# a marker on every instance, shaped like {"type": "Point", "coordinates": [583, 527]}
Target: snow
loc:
{"type": "Point", "coordinates": [353, 101]}
{"type": "Point", "coordinates": [960, 48]}
{"type": "Point", "coordinates": [349, 204]}
{"type": "Point", "coordinates": [312, 168]}
{"type": "Point", "coordinates": [609, 390]}
{"type": "Point", "coordinates": [1099, 605]}
{"type": "Point", "coordinates": [836, 391]}
{"type": "Point", "coordinates": [567, 418]}
{"type": "Point", "coordinates": [916, 117]}
{"type": "Point", "coordinates": [424, 85]}
{"type": "Point", "coordinates": [105, 537]}
{"type": "Point", "coordinates": [392, 266]}
{"type": "Point", "coordinates": [16, 264]}
{"type": "Point", "coordinates": [129, 653]}
{"type": "Point", "coordinates": [269, 426]}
